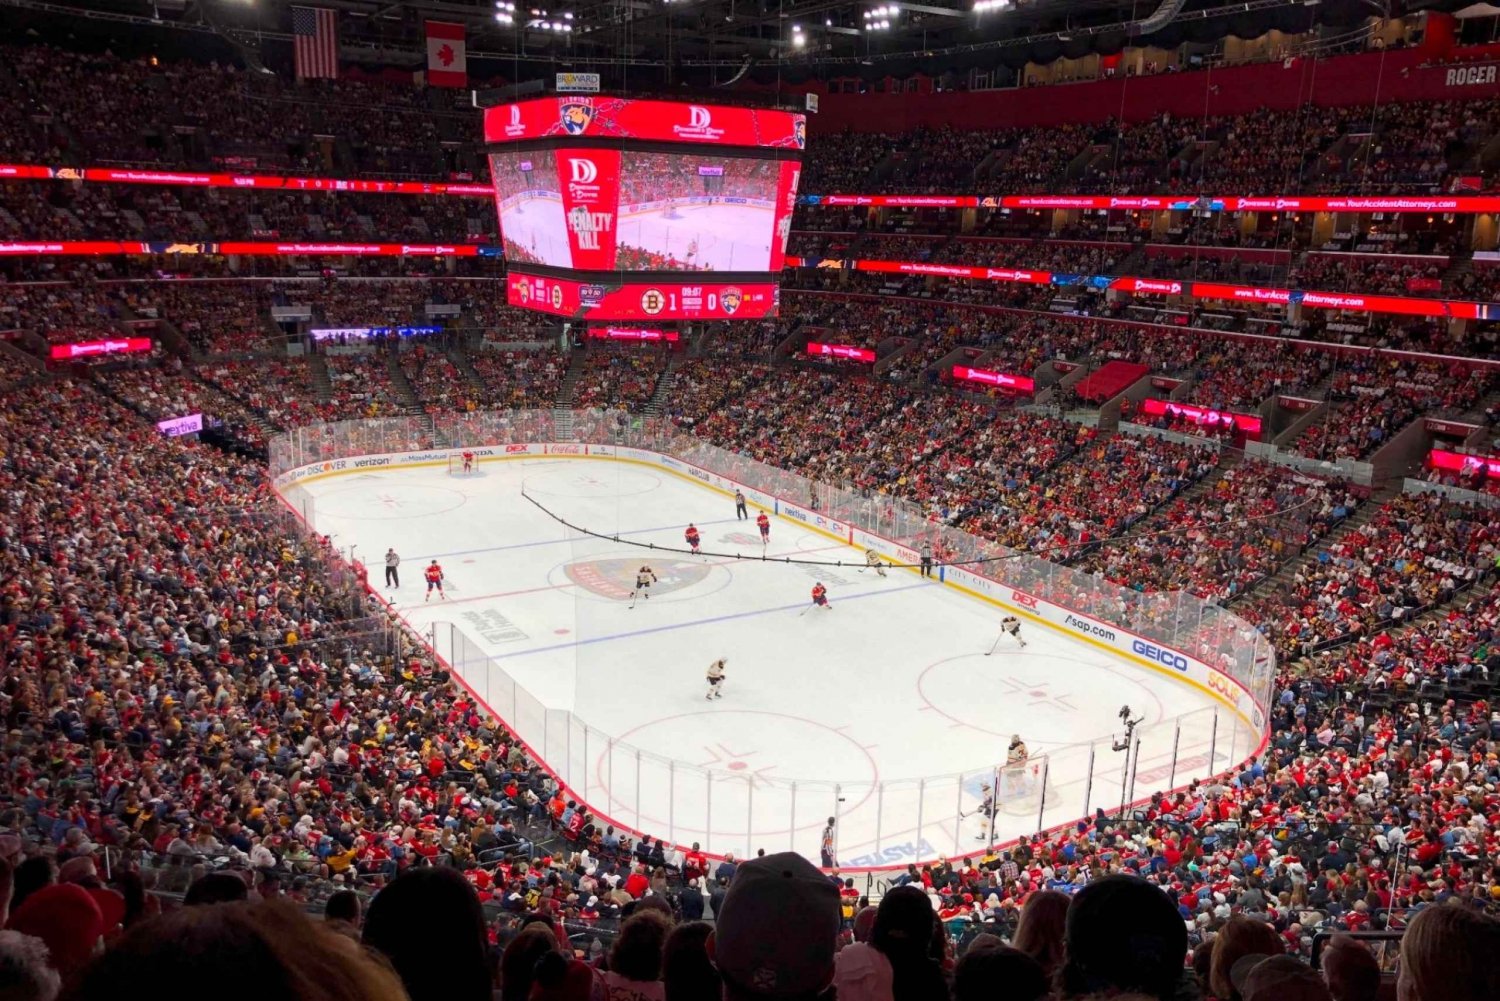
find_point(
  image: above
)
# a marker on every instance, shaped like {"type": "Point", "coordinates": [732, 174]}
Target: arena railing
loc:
{"type": "Point", "coordinates": [1173, 633]}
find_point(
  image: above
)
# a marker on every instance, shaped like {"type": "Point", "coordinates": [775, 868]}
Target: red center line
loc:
{"type": "Point", "coordinates": [558, 587]}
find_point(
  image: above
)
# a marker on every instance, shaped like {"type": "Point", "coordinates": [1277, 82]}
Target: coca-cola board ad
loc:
{"type": "Point", "coordinates": [642, 301]}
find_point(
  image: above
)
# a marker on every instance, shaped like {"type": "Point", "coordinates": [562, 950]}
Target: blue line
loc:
{"type": "Point", "coordinates": [557, 542]}
{"type": "Point", "coordinates": [695, 622]}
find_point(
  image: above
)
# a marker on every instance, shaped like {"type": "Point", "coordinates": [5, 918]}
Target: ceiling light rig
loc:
{"type": "Point", "coordinates": [799, 40]}
{"type": "Point", "coordinates": [505, 12]}
{"type": "Point", "coordinates": [881, 18]}
{"type": "Point", "coordinates": [986, 6]}
{"type": "Point", "coordinates": [542, 21]}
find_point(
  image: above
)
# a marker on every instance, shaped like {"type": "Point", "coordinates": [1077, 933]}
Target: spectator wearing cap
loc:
{"type": "Point", "coordinates": [67, 919]}
{"type": "Point", "coordinates": [1450, 953]}
{"type": "Point", "coordinates": [1123, 934]}
{"type": "Point", "coordinates": [777, 932]}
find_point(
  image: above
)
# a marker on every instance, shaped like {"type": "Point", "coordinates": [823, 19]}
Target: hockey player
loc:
{"type": "Point", "coordinates": [820, 595]}
{"type": "Point", "coordinates": [434, 576]}
{"type": "Point", "coordinates": [468, 462]}
{"type": "Point", "coordinates": [987, 811]}
{"type": "Point", "coordinates": [644, 578]}
{"type": "Point", "coordinates": [1012, 625]}
{"type": "Point", "coordinates": [692, 537]}
{"type": "Point", "coordinates": [1016, 754]}
{"type": "Point", "coordinates": [764, 524]}
{"type": "Point", "coordinates": [872, 559]}
{"type": "Point", "coordinates": [716, 678]}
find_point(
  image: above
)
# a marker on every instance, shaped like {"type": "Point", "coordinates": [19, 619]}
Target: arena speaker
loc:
{"type": "Point", "coordinates": [1159, 19]}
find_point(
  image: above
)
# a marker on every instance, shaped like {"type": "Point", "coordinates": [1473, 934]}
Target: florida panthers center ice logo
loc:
{"type": "Point", "coordinates": [616, 578]}
{"type": "Point", "coordinates": [576, 116]}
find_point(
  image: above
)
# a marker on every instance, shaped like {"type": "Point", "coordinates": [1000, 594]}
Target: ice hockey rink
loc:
{"type": "Point", "coordinates": [540, 225]}
{"type": "Point", "coordinates": [884, 711]}
{"type": "Point", "coordinates": [729, 237]}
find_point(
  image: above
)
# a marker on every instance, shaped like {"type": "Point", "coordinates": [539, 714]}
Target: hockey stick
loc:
{"type": "Point", "coordinates": [633, 595]}
{"type": "Point", "coordinates": [805, 611]}
{"type": "Point", "coordinates": [995, 645]}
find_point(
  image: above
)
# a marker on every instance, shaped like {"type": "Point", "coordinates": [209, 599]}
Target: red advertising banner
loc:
{"type": "Point", "coordinates": [953, 271]}
{"type": "Point", "coordinates": [848, 351]}
{"type": "Point", "coordinates": [1436, 425]}
{"type": "Point", "coordinates": [251, 248]}
{"type": "Point", "coordinates": [1019, 383]}
{"type": "Point", "coordinates": [1468, 465]}
{"type": "Point", "coordinates": [593, 117]}
{"type": "Point", "coordinates": [590, 185]}
{"type": "Point", "coordinates": [1457, 204]}
{"type": "Point", "coordinates": [194, 179]}
{"type": "Point", "coordinates": [89, 349]}
{"type": "Point", "coordinates": [633, 334]}
{"type": "Point", "coordinates": [1249, 423]}
{"type": "Point", "coordinates": [786, 203]}
{"type": "Point", "coordinates": [643, 300]}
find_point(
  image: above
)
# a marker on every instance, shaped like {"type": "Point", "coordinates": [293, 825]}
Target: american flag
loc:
{"type": "Point", "coordinates": [315, 41]}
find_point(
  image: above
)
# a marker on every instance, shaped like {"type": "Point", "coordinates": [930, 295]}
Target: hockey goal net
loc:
{"type": "Point", "coordinates": [1022, 785]}
{"type": "Point", "coordinates": [456, 465]}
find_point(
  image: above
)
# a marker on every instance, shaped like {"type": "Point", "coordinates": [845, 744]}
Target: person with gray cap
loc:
{"type": "Point", "coordinates": [777, 931]}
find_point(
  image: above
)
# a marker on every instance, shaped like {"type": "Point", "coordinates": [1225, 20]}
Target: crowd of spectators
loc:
{"type": "Point", "coordinates": [1377, 396]}
{"type": "Point", "coordinates": [619, 375]}
{"type": "Point", "coordinates": [519, 378]}
{"type": "Point", "coordinates": [1387, 274]}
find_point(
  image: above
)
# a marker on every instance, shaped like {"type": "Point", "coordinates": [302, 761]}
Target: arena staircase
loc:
{"type": "Point", "coordinates": [465, 365]}
{"type": "Point", "coordinates": [317, 367]}
{"type": "Point", "coordinates": [1459, 265]}
{"type": "Point", "coordinates": [565, 392]}
{"type": "Point", "coordinates": [663, 390]}
{"type": "Point", "coordinates": [406, 396]}
{"type": "Point", "coordinates": [1277, 581]}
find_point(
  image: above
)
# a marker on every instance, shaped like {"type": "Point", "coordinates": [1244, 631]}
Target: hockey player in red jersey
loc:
{"type": "Point", "coordinates": [764, 524]}
{"type": "Point", "coordinates": [820, 595]}
{"type": "Point", "coordinates": [434, 575]}
{"type": "Point", "coordinates": [692, 537]}
{"type": "Point", "coordinates": [468, 462]}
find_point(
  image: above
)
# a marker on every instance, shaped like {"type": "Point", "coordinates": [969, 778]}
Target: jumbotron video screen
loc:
{"type": "Point", "coordinates": [623, 196]}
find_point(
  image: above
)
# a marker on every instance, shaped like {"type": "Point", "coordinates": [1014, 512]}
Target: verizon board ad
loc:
{"type": "Point", "coordinates": [1002, 380]}
{"type": "Point", "coordinates": [594, 209]}
{"type": "Point", "coordinates": [848, 351]}
{"type": "Point", "coordinates": [643, 301]}
{"type": "Point", "coordinates": [574, 117]}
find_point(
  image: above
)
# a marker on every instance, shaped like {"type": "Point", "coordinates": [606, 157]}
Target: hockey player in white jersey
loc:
{"type": "Point", "coordinates": [716, 678]}
{"type": "Point", "coordinates": [644, 578]}
{"type": "Point", "coordinates": [872, 559]}
{"type": "Point", "coordinates": [1012, 625]}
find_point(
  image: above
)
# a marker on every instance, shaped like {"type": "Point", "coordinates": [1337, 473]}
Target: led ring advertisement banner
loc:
{"type": "Point", "coordinates": [641, 300]}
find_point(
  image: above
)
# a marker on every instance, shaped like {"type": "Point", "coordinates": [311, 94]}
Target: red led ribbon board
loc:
{"type": "Point", "coordinates": [1001, 380]}
{"type": "Point", "coordinates": [848, 351]}
{"type": "Point", "coordinates": [1469, 465]}
{"type": "Point", "coordinates": [91, 349]}
{"type": "Point", "coordinates": [633, 334]}
{"type": "Point", "coordinates": [1202, 416]}
{"type": "Point", "coordinates": [640, 301]}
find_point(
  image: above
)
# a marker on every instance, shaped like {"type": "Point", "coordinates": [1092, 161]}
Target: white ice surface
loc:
{"type": "Point", "coordinates": [888, 696]}
{"type": "Point", "coordinates": [539, 225]}
{"type": "Point", "coordinates": [729, 237]}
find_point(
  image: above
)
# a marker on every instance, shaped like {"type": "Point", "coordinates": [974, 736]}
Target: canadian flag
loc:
{"type": "Point", "coordinates": [447, 62]}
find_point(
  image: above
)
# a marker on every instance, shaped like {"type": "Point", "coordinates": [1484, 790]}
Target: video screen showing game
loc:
{"type": "Point", "coordinates": [696, 212]}
{"type": "Point", "coordinates": [533, 225]}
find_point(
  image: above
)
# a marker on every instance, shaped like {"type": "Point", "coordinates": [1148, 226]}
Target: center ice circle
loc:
{"type": "Point", "coordinates": [589, 480]}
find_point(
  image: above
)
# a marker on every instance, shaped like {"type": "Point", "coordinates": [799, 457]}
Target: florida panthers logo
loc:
{"type": "Point", "coordinates": [731, 298]}
{"type": "Point", "coordinates": [576, 117]}
{"type": "Point", "coordinates": [616, 578]}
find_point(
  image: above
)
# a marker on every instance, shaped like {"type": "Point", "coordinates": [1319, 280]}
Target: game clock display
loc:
{"type": "Point", "coordinates": [643, 300]}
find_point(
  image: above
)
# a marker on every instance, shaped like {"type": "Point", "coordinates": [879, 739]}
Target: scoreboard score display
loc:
{"type": "Point", "coordinates": [607, 206]}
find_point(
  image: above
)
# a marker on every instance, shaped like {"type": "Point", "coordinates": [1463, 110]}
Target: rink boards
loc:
{"type": "Point", "coordinates": [883, 822]}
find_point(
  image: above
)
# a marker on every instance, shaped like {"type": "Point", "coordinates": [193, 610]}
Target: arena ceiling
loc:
{"type": "Point", "coordinates": [711, 42]}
